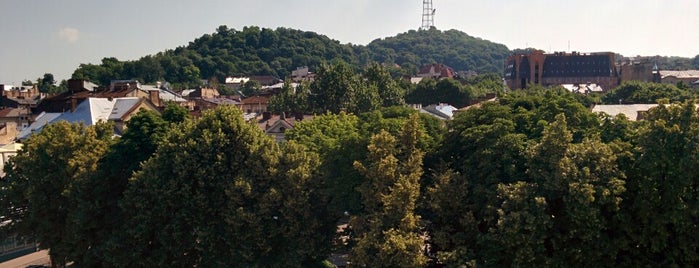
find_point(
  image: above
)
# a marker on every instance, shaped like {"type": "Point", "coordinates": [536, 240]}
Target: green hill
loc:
{"type": "Point", "coordinates": [454, 48]}
{"type": "Point", "coordinates": [262, 51]}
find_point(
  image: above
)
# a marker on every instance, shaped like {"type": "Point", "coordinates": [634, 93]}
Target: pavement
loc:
{"type": "Point", "coordinates": [36, 258]}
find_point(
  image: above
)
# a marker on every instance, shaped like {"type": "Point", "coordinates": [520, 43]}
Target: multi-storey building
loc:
{"type": "Point", "coordinates": [561, 68]}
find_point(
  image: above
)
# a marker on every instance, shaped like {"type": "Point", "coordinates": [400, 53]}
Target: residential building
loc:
{"type": "Point", "coordinates": [436, 71]}
{"type": "Point", "coordinates": [442, 110]}
{"type": "Point", "coordinates": [254, 104]}
{"type": "Point", "coordinates": [277, 125]}
{"type": "Point", "coordinates": [93, 110]}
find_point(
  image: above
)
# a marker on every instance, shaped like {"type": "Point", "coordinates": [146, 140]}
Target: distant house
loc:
{"type": "Point", "coordinates": [93, 110]}
{"type": "Point", "coordinates": [266, 80]}
{"type": "Point", "coordinates": [201, 93]}
{"type": "Point", "coordinates": [436, 71]}
{"type": "Point", "coordinates": [80, 90]}
{"type": "Point", "coordinates": [12, 121]}
{"type": "Point", "coordinates": [254, 104]}
{"type": "Point", "coordinates": [442, 111]}
{"type": "Point", "coordinates": [22, 97]}
{"type": "Point", "coordinates": [277, 125]}
{"type": "Point", "coordinates": [302, 74]}
{"type": "Point", "coordinates": [236, 82]}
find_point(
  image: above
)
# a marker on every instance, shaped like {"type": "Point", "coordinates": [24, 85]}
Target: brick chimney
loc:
{"type": "Point", "coordinates": [73, 104]}
{"type": "Point", "coordinates": [155, 97]}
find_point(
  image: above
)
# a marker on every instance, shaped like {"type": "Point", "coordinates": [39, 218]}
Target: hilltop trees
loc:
{"type": "Point", "coordinates": [262, 51]}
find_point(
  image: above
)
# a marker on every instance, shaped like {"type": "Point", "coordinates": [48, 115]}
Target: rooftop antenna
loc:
{"type": "Point", "coordinates": [427, 15]}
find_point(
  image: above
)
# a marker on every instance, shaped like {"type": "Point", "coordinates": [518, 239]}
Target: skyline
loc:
{"type": "Point", "coordinates": [55, 37]}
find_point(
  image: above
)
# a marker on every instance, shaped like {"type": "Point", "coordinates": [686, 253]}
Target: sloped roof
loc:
{"type": "Point", "coordinates": [442, 110]}
{"type": "Point", "coordinates": [680, 74]}
{"type": "Point", "coordinates": [629, 110]}
{"type": "Point", "coordinates": [89, 112]}
{"type": "Point", "coordinates": [164, 94]}
{"type": "Point", "coordinates": [255, 100]}
{"type": "Point", "coordinates": [122, 106]}
{"type": "Point", "coordinates": [39, 122]}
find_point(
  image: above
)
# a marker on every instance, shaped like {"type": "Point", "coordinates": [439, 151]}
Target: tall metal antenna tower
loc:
{"type": "Point", "coordinates": [427, 15]}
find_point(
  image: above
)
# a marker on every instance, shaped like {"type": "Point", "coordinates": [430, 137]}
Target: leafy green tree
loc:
{"type": "Point", "coordinates": [174, 113]}
{"type": "Point", "coordinates": [98, 217]}
{"type": "Point", "coordinates": [290, 99]}
{"type": "Point", "coordinates": [336, 138]}
{"type": "Point", "coordinates": [250, 88]}
{"type": "Point", "coordinates": [216, 194]}
{"type": "Point", "coordinates": [387, 234]}
{"type": "Point", "coordinates": [335, 88]}
{"type": "Point", "coordinates": [389, 91]}
{"type": "Point", "coordinates": [642, 92]}
{"type": "Point", "coordinates": [662, 190]}
{"type": "Point", "coordinates": [481, 152]}
{"type": "Point", "coordinates": [583, 187]}
{"type": "Point", "coordinates": [448, 90]}
{"type": "Point", "coordinates": [38, 191]}
{"type": "Point", "coordinates": [47, 84]}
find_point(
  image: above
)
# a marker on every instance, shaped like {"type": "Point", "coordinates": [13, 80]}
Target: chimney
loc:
{"type": "Point", "coordinates": [282, 116]}
{"type": "Point", "coordinates": [155, 97]}
{"type": "Point", "coordinates": [73, 104]}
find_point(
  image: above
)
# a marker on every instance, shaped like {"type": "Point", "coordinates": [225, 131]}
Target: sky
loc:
{"type": "Point", "coordinates": [45, 36]}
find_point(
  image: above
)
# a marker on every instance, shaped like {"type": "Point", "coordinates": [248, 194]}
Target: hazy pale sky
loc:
{"type": "Point", "coordinates": [46, 36]}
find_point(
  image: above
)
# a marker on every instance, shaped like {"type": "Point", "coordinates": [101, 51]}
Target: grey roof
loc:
{"type": "Point", "coordinates": [42, 120]}
{"type": "Point", "coordinates": [122, 106]}
{"type": "Point", "coordinates": [89, 112]}
{"type": "Point", "coordinates": [442, 110]}
{"type": "Point", "coordinates": [165, 95]}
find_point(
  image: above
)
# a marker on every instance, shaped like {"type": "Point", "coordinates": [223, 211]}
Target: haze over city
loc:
{"type": "Point", "coordinates": [56, 36]}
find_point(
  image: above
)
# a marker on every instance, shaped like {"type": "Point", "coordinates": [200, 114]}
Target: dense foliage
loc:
{"type": "Point", "coordinates": [531, 179]}
{"type": "Point", "coordinates": [639, 92]}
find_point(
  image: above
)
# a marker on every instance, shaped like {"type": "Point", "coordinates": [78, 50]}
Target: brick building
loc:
{"type": "Point", "coordinates": [561, 68]}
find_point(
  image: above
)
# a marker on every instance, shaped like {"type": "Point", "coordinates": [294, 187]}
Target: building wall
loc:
{"type": "Point", "coordinates": [637, 72]}
{"type": "Point", "coordinates": [561, 68]}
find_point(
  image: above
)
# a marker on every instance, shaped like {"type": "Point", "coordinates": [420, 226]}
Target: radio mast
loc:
{"type": "Point", "coordinates": [427, 15]}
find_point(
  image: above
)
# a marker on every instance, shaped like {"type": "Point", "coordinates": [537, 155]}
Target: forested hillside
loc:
{"type": "Point", "coordinates": [263, 51]}
{"type": "Point", "coordinates": [454, 48]}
